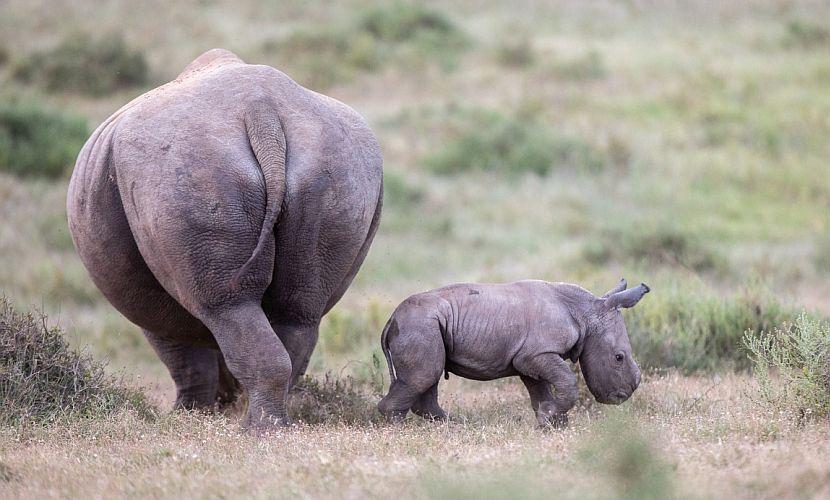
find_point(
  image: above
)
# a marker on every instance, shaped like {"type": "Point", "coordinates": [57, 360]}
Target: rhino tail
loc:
{"type": "Point", "coordinates": [391, 327]}
{"type": "Point", "coordinates": [267, 139]}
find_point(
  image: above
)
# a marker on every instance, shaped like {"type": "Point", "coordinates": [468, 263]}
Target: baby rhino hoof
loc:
{"type": "Point", "coordinates": [555, 421]}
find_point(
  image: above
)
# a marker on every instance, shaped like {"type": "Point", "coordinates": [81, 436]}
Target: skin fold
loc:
{"type": "Point", "coordinates": [225, 213]}
{"type": "Point", "coordinates": [527, 329]}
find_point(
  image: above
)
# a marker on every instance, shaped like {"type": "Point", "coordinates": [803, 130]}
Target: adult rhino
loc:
{"type": "Point", "coordinates": [225, 213]}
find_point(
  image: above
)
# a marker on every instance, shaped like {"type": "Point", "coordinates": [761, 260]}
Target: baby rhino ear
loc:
{"type": "Point", "coordinates": [627, 298]}
{"type": "Point", "coordinates": [622, 285]}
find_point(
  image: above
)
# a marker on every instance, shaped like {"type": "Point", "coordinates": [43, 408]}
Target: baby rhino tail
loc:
{"type": "Point", "coordinates": [390, 328]}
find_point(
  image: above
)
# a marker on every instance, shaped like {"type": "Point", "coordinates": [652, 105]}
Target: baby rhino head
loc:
{"type": "Point", "coordinates": [609, 368]}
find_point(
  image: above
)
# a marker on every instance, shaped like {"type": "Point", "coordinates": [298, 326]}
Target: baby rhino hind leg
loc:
{"type": "Point", "coordinates": [427, 406]}
{"type": "Point", "coordinates": [416, 352]}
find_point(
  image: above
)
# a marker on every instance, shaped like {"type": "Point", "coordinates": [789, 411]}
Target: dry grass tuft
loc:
{"type": "Point", "coordinates": [332, 400]}
{"type": "Point", "coordinates": [42, 379]}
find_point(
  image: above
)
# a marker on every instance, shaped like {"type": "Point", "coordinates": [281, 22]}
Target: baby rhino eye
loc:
{"type": "Point", "coordinates": [619, 357]}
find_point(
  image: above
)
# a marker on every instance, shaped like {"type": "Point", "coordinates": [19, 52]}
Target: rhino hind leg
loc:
{"type": "Point", "coordinates": [202, 381]}
{"type": "Point", "coordinates": [255, 357]}
{"type": "Point", "coordinates": [299, 340]}
{"type": "Point", "coordinates": [229, 389]}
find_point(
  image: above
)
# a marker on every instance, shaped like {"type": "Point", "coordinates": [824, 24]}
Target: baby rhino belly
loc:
{"type": "Point", "coordinates": [481, 357]}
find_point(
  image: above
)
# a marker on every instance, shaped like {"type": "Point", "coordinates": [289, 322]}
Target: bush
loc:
{"type": "Point", "coordinates": [806, 34]}
{"type": "Point", "coordinates": [345, 332]}
{"type": "Point", "coordinates": [691, 331]}
{"type": "Point", "coordinates": [401, 22]}
{"type": "Point", "coordinates": [86, 65]}
{"type": "Point", "coordinates": [399, 190]}
{"type": "Point", "coordinates": [326, 57]}
{"type": "Point", "coordinates": [821, 256]}
{"type": "Point", "coordinates": [35, 141]}
{"type": "Point", "coordinates": [491, 142]}
{"type": "Point", "coordinates": [515, 52]}
{"type": "Point", "coordinates": [42, 379]}
{"type": "Point", "coordinates": [589, 66]}
{"type": "Point", "coordinates": [397, 32]}
{"type": "Point", "coordinates": [792, 366]}
{"type": "Point", "coordinates": [660, 245]}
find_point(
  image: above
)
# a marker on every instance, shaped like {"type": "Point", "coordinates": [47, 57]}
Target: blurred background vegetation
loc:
{"type": "Point", "coordinates": [681, 144]}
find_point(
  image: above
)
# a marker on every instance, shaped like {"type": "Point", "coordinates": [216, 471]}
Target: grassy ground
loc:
{"type": "Point", "coordinates": [679, 436]}
{"type": "Point", "coordinates": [684, 145]}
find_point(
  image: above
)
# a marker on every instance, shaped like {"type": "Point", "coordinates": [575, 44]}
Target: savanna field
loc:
{"type": "Point", "coordinates": [683, 144]}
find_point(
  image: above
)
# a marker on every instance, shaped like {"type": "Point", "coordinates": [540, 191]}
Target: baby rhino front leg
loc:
{"type": "Point", "coordinates": [538, 374]}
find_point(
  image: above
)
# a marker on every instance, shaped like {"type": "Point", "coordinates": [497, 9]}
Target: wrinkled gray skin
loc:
{"type": "Point", "coordinates": [528, 328]}
{"type": "Point", "coordinates": [225, 213]}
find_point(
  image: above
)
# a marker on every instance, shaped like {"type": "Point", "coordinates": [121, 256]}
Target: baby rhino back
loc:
{"type": "Point", "coordinates": [481, 327]}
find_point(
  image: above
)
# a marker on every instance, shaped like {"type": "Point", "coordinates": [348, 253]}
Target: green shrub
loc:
{"type": "Point", "coordinates": [660, 245]}
{"type": "Point", "coordinates": [694, 331]}
{"type": "Point", "coordinates": [399, 190]}
{"type": "Point", "coordinates": [86, 65]}
{"type": "Point", "coordinates": [589, 66]}
{"type": "Point", "coordinates": [492, 142]}
{"type": "Point", "coordinates": [806, 34]}
{"type": "Point", "coordinates": [323, 58]}
{"type": "Point", "coordinates": [401, 22]}
{"type": "Point", "coordinates": [35, 141]}
{"type": "Point", "coordinates": [792, 366]}
{"type": "Point", "coordinates": [42, 379]}
{"type": "Point", "coordinates": [821, 256]}
{"type": "Point", "coordinates": [402, 32]}
{"type": "Point", "coordinates": [345, 332]}
{"type": "Point", "coordinates": [515, 52]}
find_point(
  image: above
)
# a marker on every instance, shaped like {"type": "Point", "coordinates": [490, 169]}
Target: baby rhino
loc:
{"type": "Point", "coordinates": [528, 328]}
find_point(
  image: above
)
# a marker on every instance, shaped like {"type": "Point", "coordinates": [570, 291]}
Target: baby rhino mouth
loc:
{"type": "Point", "coordinates": [618, 397]}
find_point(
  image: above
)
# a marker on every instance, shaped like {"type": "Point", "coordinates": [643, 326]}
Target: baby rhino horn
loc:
{"type": "Point", "coordinates": [627, 298]}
